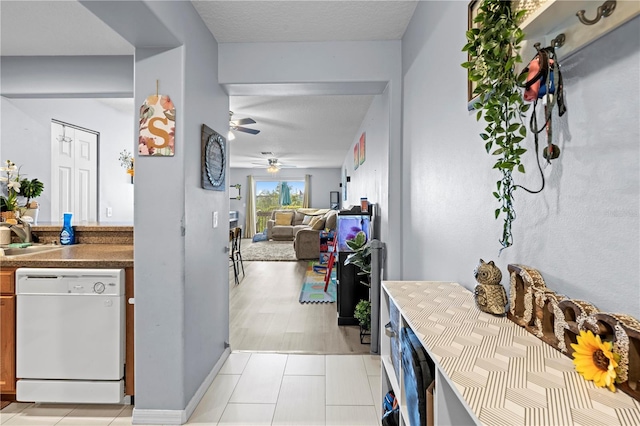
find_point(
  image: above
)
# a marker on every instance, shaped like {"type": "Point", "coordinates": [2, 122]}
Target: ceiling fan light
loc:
{"type": "Point", "coordinates": [272, 169]}
{"type": "Point", "coordinates": [230, 136]}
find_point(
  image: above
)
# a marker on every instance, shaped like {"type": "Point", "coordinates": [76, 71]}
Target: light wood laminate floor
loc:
{"type": "Point", "coordinates": [265, 314]}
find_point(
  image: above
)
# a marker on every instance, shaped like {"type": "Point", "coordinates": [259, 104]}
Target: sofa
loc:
{"type": "Point", "coordinates": [302, 226]}
{"type": "Point", "coordinates": [284, 224]}
{"type": "Point", "coordinates": [306, 242]}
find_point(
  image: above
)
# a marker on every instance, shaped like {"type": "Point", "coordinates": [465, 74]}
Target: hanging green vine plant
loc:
{"type": "Point", "coordinates": [493, 47]}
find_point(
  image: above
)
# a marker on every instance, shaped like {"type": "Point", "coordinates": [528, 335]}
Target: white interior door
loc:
{"type": "Point", "coordinates": [74, 173]}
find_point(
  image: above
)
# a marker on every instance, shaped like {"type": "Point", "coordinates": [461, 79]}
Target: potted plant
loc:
{"type": "Point", "coordinates": [362, 313]}
{"type": "Point", "coordinates": [31, 188]}
{"type": "Point", "coordinates": [361, 257]}
{"type": "Point", "coordinates": [11, 178]}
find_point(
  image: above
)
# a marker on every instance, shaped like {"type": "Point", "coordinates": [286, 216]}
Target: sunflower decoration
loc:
{"type": "Point", "coordinates": [595, 360]}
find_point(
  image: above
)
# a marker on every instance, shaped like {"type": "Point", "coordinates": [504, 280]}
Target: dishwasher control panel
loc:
{"type": "Point", "coordinates": [93, 286]}
{"type": "Point", "coordinates": [107, 282]}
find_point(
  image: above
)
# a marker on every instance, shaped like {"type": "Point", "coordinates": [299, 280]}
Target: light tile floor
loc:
{"type": "Point", "coordinates": [251, 389]}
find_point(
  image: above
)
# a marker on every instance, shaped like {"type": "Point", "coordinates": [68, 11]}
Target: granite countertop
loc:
{"type": "Point", "coordinates": [76, 256]}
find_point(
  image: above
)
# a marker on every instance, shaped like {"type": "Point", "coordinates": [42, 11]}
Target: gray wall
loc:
{"type": "Point", "coordinates": [323, 181]}
{"type": "Point", "coordinates": [371, 178]}
{"type": "Point", "coordinates": [182, 291]}
{"type": "Point", "coordinates": [582, 231]}
{"type": "Point", "coordinates": [26, 140]}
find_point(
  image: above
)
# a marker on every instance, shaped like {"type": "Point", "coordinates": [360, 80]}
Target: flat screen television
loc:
{"type": "Point", "coordinates": [349, 226]}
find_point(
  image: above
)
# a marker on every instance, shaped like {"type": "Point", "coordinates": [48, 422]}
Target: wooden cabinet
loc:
{"type": "Point", "coordinates": [7, 333]}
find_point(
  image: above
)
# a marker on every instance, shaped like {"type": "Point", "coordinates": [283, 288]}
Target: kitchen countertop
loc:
{"type": "Point", "coordinates": [106, 227]}
{"type": "Point", "coordinates": [76, 256]}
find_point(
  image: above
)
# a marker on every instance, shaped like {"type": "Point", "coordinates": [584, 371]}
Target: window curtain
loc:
{"type": "Point", "coordinates": [307, 190]}
{"type": "Point", "coordinates": [250, 214]}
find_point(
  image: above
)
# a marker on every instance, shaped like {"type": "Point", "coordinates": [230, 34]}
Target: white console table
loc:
{"type": "Point", "coordinates": [489, 370]}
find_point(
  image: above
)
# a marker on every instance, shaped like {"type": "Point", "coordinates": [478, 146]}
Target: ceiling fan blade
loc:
{"type": "Point", "coordinates": [245, 130]}
{"type": "Point", "coordinates": [242, 121]}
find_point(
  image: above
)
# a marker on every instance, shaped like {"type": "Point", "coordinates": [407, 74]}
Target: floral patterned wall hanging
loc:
{"type": "Point", "coordinates": [157, 126]}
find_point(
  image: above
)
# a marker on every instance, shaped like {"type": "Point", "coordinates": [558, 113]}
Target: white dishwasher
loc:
{"type": "Point", "coordinates": [70, 335]}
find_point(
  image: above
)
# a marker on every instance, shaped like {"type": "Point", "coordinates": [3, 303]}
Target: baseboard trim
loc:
{"type": "Point", "coordinates": [195, 400]}
{"type": "Point", "coordinates": [179, 417]}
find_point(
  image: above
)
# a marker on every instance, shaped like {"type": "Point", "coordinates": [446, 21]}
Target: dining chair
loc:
{"type": "Point", "coordinates": [238, 238]}
{"type": "Point", "coordinates": [232, 254]}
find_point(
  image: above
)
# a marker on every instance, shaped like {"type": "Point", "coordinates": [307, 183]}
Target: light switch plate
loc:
{"type": "Point", "coordinates": [109, 211]}
{"type": "Point", "coordinates": [215, 219]}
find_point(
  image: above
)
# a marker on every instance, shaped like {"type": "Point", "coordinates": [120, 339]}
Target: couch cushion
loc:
{"type": "Point", "coordinates": [298, 217]}
{"type": "Point", "coordinates": [283, 218]}
{"type": "Point", "coordinates": [306, 219]}
{"type": "Point", "coordinates": [296, 228]}
{"type": "Point", "coordinates": [282, 233]}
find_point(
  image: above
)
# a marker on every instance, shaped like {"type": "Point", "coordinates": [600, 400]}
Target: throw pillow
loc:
{"type": "Point", "coordinates": [331, 221]}
{"type": "Point", "coordinates": [314, 220]}
{"type": "Point", "coordinates": [319, 225]}
{"type": "Point", "coordinates": [306, 219]}
{"type": "Point", "coordinates": [283, 218]}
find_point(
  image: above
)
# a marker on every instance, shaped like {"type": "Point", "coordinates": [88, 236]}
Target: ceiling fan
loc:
{"type": "Point", "coordinates": [237, 125]}
{"type": "Point", "coordinates": [274, 165]}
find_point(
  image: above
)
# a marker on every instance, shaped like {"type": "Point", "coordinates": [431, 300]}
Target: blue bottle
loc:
{"type": "Point", "coordinates": [67, 235]}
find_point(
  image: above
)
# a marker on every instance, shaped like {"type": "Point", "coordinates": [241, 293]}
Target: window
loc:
{"type": "Point", "coordinates": [268, 198]}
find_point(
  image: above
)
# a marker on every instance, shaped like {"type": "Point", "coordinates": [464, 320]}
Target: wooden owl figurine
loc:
{"type": "Point", "coordinates": [487, 273]}
{"type": "Point", "coordinates": [490, 295]}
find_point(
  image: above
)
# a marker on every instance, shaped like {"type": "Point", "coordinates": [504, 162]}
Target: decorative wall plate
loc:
{"type": "Point", "coordinates": [214, 160]}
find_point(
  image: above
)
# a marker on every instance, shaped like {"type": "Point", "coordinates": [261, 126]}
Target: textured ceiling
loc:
{"type": "Point", "coordinates": [304, 131]}
{"type": "Point", "coordinates": [301, 131]}
{"type": "Point", "coordinates": [273, 21]}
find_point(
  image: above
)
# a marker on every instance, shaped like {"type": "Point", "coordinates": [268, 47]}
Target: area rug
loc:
{"type": "Point", "coordinates": [313, 286]}
{"type": "Point", "coordinates": [267, 251]}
